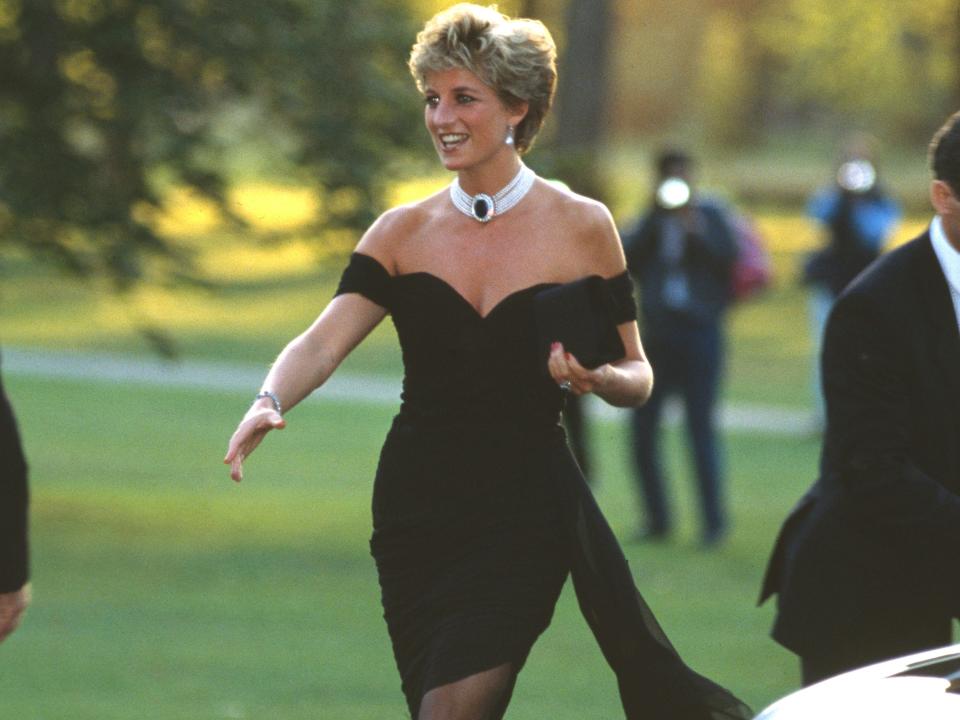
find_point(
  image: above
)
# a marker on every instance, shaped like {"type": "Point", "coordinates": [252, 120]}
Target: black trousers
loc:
{"type": "Point", "coordinates": [13, 502]}
{"type": "Point", "coordinates": [688, 359]}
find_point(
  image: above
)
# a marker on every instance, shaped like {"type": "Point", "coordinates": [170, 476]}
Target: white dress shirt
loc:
{"type": "Point", "coordinates": [949, 262]}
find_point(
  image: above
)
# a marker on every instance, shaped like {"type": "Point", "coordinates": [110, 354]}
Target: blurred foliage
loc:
{"type": "Point", "coordinates": [112, 110]}
{"type": "Point", "coordinates": [734, 72]}
{"type": "Point", "coordinates": [885, 63]}
{"type": "Point", "coordinates": [107, 105]}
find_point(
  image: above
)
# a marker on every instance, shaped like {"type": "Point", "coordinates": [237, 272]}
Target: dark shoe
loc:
{"type": "Point", "coordinates": [651, 536]}
{"type": "Point", "coordinates": [713, 538]}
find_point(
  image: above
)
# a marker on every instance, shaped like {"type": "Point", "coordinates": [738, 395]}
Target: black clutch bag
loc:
{"type": "Point", "coordinates": [581, 315]}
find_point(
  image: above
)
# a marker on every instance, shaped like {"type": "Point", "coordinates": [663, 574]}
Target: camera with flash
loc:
{"type": "Point", "coordinates": [673, 193]}
{"type": "Point", "coordinates": [857, 176]}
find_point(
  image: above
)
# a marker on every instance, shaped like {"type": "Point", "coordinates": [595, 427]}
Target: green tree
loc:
{"type": "Point", "coordinates": [735, 88]}
{"type": "Point", "coordinates": [883, 63]}
{"type": "Point", "coordinates": [104, 103]}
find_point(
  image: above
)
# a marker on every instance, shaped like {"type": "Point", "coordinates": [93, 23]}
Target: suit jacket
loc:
{"type": "Point", "coordinates": [13, 502]}
{"type": "Point", "coordinates": [873, 544]}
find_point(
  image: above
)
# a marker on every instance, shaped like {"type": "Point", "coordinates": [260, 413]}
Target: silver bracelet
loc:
{"type": "Point", "coordinates": [273, 398]}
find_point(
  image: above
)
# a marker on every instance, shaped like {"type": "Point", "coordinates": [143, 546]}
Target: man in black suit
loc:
{"type": "Point", "coordinates": [14, 588]}
{"type": "Point", "coordinates": [866, 565]}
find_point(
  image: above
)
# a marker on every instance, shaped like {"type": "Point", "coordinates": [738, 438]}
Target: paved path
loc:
{"type": "Point", "coordinates": [246, 377]}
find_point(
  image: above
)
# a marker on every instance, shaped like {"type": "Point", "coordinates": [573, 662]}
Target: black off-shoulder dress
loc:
{"type": "Point", "coordinates": [480, 511]}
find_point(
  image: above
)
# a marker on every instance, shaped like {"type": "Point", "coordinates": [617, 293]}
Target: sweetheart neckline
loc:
{"type": "Point", "coordinates": [463, 300]}
{"type": "Point", "coordinates": [466, 303]}
{"type": "Point", "coordinates": [482, 316]}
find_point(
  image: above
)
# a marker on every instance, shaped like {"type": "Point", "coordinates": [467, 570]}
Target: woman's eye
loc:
{"type": "Point", "coordinates": [464, 99]}
{"type": "Point", "coordinates": [431, 100]}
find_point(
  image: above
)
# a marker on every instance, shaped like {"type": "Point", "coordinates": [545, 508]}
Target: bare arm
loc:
{"type": "Point", "coordinates": [627, 382]}
{"type": "Point", "coordinates": [311, 357]}
{"type": "Point", "coordinates": [303, 365]}
{"type": "Point", "coordinates": [624, 383]}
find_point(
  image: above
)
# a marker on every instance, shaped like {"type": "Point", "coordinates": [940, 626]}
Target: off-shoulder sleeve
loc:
{"type": "Point", "coordinates": [620, 290]}
{"type": "Point", "coordinates": [367, 277]}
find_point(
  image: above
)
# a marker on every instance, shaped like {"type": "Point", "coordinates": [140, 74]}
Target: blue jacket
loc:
{"type": "Point", "coordinates": [857, 229]}
{"type": "Point", "coordinates": [705, 264]}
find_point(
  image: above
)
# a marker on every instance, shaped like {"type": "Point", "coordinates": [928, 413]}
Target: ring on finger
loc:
{"type": "Point", "coordinates": [565, 385]}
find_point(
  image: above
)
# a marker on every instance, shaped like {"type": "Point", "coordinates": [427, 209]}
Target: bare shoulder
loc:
{"type": "Point", "coordinates": [588, 230]}
{"type": "Point", "coordinates": [385, 239]}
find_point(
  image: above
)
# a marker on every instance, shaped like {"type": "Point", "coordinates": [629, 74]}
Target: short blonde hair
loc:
{"type": "Point", "coordinates": [516, 57]}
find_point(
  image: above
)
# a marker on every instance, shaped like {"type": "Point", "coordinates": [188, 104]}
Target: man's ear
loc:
{"type": "Point", "coordinates": [940, 195]}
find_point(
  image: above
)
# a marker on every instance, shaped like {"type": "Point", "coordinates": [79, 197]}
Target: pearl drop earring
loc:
{"type": "Point", "coordinates": [509, 140]}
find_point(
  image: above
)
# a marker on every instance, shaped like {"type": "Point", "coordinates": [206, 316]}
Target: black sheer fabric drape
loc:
{"type": "Point", "coordinates": [654, 681]}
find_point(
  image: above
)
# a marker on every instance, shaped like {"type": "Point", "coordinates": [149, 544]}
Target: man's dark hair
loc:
{"type": "Point", "coordinates": [945, 153]}
{"type": "Point", "coordinates": [672, 160]}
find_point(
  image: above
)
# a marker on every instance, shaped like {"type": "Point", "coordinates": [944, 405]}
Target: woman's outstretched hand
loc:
{"type": "Point", "coordinates": [251, 430]}
{"type": "Point", "coordinates": [571, 375]}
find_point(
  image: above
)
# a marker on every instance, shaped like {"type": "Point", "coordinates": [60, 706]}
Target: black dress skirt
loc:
{"type": "Point", "coordinates": [480, 511]}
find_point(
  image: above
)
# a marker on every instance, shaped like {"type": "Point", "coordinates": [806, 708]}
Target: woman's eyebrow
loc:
{"type": "Point", "coordinates": [457, 89]}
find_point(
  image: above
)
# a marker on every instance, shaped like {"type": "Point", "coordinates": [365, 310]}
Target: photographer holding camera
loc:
{"type": "Point", "coordinates": [857, 217]}
{"type": "Point", "coordinates": [682, 253]}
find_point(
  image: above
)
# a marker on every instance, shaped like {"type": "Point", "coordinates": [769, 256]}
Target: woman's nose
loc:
{"type": "Point", "coordinates": [443, 113]}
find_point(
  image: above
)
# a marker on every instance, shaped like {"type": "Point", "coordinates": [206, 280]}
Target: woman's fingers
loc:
{"type": "Point", "coordinates": [236, 467]}
{"type": "Point", "coordinates": [557, 364]}
{"type": "Point", "coordinates": [247, 437]}
{"type": "Point", "coordinates": [563, 369]}
{"type": "Point", "coordinates": [567, 371]}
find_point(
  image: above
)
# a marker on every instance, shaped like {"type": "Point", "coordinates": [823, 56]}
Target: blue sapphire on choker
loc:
{"type": "Point", "coordinates": [482, 207]}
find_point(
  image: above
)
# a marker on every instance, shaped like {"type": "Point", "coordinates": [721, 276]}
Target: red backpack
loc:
{"type": "Point", "coordinates": [752, 270]}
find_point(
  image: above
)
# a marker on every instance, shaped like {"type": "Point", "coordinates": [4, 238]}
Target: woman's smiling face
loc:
{"type": "Point", "coordinates": [466, 118]}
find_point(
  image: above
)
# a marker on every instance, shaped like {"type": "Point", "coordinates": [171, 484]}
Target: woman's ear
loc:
{"type": "Point", "coordinates": [518, 113]}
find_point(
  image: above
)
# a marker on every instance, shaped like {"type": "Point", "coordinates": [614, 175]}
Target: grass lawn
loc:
{"type": "Point", "coordinates": [165, 591]}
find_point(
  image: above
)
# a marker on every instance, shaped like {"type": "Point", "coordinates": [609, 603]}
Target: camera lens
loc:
{"type": "Point", "coordinates": [856, 176]}
{"type": "Point", "coordinates": [673, 193]}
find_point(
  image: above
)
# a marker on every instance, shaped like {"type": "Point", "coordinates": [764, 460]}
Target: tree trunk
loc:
{"type": "Point", "coordinates": [530, 9]}
{"type": "Point", "coordinates": [582, 96]}
{"type": "Point", "coordinates": [760, 68]}
{"type": "Point", "coordinates": [582, 90]}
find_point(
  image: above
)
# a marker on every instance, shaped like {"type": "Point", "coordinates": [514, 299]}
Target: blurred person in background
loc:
{"type": "Point", "coordinates": [14, 586]}
{"type": "Point", "coordinates": [681, 253]}
{"type": "Point", "coordinates": [857, 217]}
{"type": "Point", "coordinates": [479, 509]}
{"type": "Point", "coordinates": [865, 567]}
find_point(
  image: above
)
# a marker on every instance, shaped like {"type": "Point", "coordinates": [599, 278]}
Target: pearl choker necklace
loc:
{"type": "Point", "coordinates": [482, 207]}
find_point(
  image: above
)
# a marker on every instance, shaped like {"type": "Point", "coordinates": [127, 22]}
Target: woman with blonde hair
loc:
{"type": "Point", "coordinates": [479, 510]}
